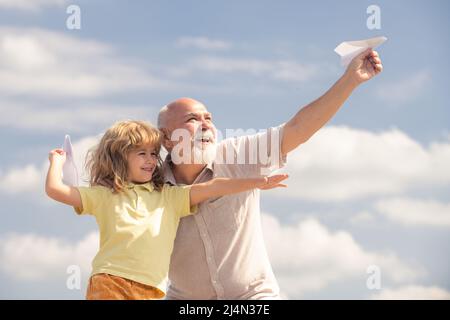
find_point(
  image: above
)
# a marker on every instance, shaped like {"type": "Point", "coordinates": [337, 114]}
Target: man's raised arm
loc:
{"type": "Point", "coordinates": [316, 114]}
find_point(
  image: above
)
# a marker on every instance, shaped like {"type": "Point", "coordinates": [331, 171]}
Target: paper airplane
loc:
{"type": "Point", "coordinates": [70, 172]}
{"type": "Point", "coordinates": [350, 49]}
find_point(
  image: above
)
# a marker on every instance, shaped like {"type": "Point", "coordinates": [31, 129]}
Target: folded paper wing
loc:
{"type": "Point", "coordinates": [70, 172]}
{"type": "Point", "coordinates": [350, 49]}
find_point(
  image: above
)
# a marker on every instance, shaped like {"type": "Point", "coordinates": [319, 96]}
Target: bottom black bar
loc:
{"type": "Point", "coordinates": [198, 309]}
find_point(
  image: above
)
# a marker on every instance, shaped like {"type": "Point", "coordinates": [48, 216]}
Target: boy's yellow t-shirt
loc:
{"type": "Point", "coordinates": [137, 229]}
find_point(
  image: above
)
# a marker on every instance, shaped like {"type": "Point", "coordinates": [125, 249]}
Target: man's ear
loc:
{"type": "Point", "coordinates": [166, 141]}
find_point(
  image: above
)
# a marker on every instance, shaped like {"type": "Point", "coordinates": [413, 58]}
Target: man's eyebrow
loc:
{"type": "Point", "coordinates": [193, 114]}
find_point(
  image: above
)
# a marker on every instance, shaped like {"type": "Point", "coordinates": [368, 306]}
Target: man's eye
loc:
{"type": "Point", "coordinates": [190, 119]}
{"type": "Point", "coordinates": [141, 153]}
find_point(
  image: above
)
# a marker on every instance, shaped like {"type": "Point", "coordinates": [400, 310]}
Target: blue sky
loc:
{"type": "Point", "coordinates": [371, 186]}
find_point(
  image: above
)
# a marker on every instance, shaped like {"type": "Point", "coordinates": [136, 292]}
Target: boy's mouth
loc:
{"type": "Point", "coordinates": [148, 169]}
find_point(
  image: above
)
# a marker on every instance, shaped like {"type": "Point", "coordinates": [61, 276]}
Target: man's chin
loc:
{"type": "Point", "coordinates": [204, 156]}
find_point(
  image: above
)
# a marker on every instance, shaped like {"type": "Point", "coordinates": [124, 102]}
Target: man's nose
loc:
{"type": "Point", "coordinates": [206, 125]}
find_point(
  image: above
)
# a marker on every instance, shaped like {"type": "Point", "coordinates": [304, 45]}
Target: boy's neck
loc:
{"type": "Point", "coordinates": [137, 182]}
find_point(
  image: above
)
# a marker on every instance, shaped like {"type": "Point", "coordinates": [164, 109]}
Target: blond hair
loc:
{"type": "Point", "coordinates": [107, 162]}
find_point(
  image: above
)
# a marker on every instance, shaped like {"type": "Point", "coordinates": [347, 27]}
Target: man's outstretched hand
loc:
{"type": "Point", "coordinates": [364, 66]}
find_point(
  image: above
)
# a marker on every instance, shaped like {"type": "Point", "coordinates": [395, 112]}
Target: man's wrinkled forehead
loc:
{"type": "Point", "coordinates": [197, 114]}
{"type": "Point", "coordinates": [184, 112]}
{"type": "Point", "coordinates": [198, 108]}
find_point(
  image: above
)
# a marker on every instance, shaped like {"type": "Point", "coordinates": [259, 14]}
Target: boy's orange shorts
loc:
{"type": "Point", "coordinates": [103, 286]}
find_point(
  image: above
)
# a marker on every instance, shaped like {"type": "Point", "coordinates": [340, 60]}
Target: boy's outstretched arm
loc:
{"type": "Point", "coordinates": [222, 186]}
{"type": "Point", "coordinates": [54, 187]}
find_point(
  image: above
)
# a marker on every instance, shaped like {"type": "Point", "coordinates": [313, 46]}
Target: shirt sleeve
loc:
{"type": "Point", "coordinates": [253, 155]}
{"type": "Point", "coordinates": [91, 198]}
{"type": "Point", "coordinates": [178, 198]}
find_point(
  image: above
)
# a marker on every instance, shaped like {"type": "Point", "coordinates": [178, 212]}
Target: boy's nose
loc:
{"type": "Point", "coordinates": [152, 159]}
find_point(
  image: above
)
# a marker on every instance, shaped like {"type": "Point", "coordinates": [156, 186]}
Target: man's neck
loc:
{"type": "Point", "coordinates": [187, 173]}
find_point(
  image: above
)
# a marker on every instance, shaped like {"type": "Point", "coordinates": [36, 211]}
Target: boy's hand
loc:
{"type": "Point", "coordinates": [57, 156]}
{"type": "Point", "coordinates": [274, 182]}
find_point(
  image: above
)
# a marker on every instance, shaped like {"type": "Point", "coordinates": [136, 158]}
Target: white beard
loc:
{"type": "Point", "coordinates": [194, 151]}
{"type": "Point", "coordinates": [204, 156]}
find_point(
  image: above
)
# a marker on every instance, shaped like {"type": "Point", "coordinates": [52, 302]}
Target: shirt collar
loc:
{"type": "Point", "coordinates": [168, 173]}
{"type": "Point", "coordinates": [148, 186]}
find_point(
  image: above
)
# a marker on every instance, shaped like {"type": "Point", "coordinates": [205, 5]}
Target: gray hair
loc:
{"type": "Point", "coordinates": [162, 117]}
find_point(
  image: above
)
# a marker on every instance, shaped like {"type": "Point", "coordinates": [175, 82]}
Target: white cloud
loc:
{"type": "Point", "coordinates": [405, 90]}
{"type": "Point", "coordinates": [45, 63]}
{"type": "Point", "coordinates": [281, 70]}
{"type": "Point", "coordinates": [307, 257]}
{"type": "Point", "coordinates": [33, 257]}
{"type": "Point", "coordinates": [19, 180]}
{"type": "Point", "coordinates": [293, 71]}
{"type": "Point", "coordinates": [413, 212]}
{"type": "Point", "coordinates": [229, 65]}
{"type": "Point", "coordinates": [413, 292]}
{"type": "Point", "coordinates": [342, 163]}
{"type": "Point", "coordinates": [70, 118]}
{"type": "Point", "coordinates": [31, 5]}
{"type": "Point", "coordinates": [31, 178]}
{"type": "Point", "coordinates": [203, 43]}
{"type": "Point", "coordinates": [362, 218]}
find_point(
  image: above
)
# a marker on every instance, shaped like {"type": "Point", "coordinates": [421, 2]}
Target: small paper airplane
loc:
{"type": "Point", "coordinates": [350, 49]}
{"type": "Point", "coordinates": [70, 172]}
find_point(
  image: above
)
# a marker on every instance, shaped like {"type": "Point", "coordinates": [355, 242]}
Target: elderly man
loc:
{"type": "Point", "coordinates": [219, 253]}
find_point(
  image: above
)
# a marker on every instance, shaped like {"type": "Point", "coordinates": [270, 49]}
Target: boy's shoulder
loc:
{"type": "Point", "coordinates": [97, 189]}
